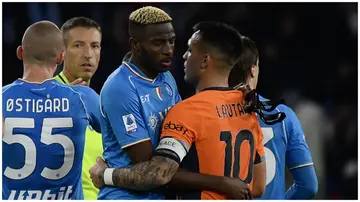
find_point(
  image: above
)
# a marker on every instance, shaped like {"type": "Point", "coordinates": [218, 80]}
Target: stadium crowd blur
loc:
{"type": "Point", "coordinates": [308, 55]}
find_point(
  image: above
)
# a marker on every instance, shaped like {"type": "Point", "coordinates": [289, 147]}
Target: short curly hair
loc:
{"type": "Point", "coordinates": [145, 16]}
{"type": "Point", "coordinates": [149, 15]}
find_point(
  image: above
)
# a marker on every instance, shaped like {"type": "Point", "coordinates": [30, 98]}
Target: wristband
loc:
{"type": "Point", "coordinates": [108, 176]}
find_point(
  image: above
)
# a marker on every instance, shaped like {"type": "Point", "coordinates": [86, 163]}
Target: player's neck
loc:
{"type": "Point", "coordinates": [71, 78]}
{"type": "Point", "coordinates": [142, 67]}
{"type": "Point", "coordinates": [38, 73]}
{"type": "Point", "coordinates": [251, 84]}
{"type": "Point", "coordinates": [213, 81]}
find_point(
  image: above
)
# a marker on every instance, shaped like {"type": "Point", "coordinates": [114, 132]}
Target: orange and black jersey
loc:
{"type": "Point", "coordinates": [212, 134]}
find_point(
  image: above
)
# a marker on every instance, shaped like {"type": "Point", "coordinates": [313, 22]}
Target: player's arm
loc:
{"type": "Point", "coordinates": [145, 175]}
{"type": "Point", "coordinates": [174, 145]}
{"type": "Point", "coordinates": [188, 130]}
{"type": "Point", "coordinates": [148, 175]}
{"type": "Point", "coordinates": [233, 188]}
{"type": "Point", "coordinates": [92, 106]}
{"type": "Point", "coordinates": [184, 179]}
{"type": "Point", "coordinates": [299, 161]}
{"type": "Point", "coordinates": [259, 179]}
{"type": "Point", "coordinates": [160, 169]}
{"type": "Point", "coordinates": [121, 106]}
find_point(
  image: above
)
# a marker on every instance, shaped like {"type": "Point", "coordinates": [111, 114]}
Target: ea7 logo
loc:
{"type": "Point", "coordinates": [145, 98]}
{"type": "Point", "coordinates": [173, 126]}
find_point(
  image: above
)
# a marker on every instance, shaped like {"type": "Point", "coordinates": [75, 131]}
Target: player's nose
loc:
{"type": "Point", "coordinates": [87, 53]}
{"type": "Point", "coordinates": [168, 49]}
{"type": "Point", "coordinates": [185, 55]}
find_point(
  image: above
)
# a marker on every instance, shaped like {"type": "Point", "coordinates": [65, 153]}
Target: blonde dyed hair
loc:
{"type": "Point", "coordinates": [149, 15]}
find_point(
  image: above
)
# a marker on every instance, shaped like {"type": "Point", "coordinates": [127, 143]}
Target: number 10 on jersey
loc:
{"type": "Point", "coordinates": [243, 135]}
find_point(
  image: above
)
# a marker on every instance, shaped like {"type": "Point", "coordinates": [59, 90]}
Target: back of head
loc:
{"type": "Point", "coordinates": [238, 79]}
{"type": "Point", "coordinates": [144, 16]}
{"type": "Point", "coordinates": [42, 43]}
{"type": "Point", "coordinates": [78, 22]}
{"type": "Point", "coordinates": [221, 39]}
{"type": "Point", "coordinates": [248, 58]}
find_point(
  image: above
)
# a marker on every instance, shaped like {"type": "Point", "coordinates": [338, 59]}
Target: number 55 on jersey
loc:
{"type": "Point", "coordinates": [44, 138]}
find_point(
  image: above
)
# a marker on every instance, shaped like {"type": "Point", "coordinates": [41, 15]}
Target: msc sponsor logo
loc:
{"type": "Point", "coordinates": [173, 126]}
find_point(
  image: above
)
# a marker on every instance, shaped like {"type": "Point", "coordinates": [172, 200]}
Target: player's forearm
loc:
{"type": "Point", "coordinates": [184, 179]}
{"type": "Point", "coordinates": [306, 184]}
{"type": "Point", "coordinates": [146, 175]}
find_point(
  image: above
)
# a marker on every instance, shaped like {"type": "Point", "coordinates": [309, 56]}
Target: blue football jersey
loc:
{"type": "Point", "coordinates": [285, 145]}
{"type": "Point", "coordinates": [43, 143]}
{"type": "Point", "coordinates": [132, 110]}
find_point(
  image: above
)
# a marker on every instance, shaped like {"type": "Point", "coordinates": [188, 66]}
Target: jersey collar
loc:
{"type": "Point", "coordinates": [63, 78]}
{"type": "Point", "coordinates": [29, 82]}
{"type": "Point", "coordinates": [135, 70]}
{"type": "Point", "coordinates": [218, 88]}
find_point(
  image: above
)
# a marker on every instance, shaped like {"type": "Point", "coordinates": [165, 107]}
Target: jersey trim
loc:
{"type": "Point", "coordinates": [218, 88]}
{"type": "Point", "coordinates": [31, 82]}
{"type": "Point", "coordinates": [301, 165]}
{"type": "Point", "coordinates": [62, 78]}
{"type": "Point", "coordinates": [134, 143]}
{"type": "Point", "coordinates": [137, 74]}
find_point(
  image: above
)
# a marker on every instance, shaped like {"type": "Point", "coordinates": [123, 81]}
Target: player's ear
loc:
{"type": "Point", "coordinates": [60, 58]}
{"type": "Point", "coordinates": [253, 71]}
{"type": "Point", "coordinates": [205, 61]}
{"type": "Point", "coordinates": [19, 52]}
{"type": "Point", "coordinates": [134, 44]}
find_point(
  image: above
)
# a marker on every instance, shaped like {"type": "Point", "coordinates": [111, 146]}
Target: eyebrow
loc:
{"type": "Point", "coordinates": [167, 36]}
{"type": "Point", "coordinates": [79, 41]}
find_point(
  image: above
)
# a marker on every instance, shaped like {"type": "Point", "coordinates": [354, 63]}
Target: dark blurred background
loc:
{"type": "Point", "coordinates": [308, 55]}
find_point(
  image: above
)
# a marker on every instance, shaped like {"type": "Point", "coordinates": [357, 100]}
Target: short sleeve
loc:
{"type": "Point", "coordinates": [91, 101]}
{"type": "Point", "coordinates": [120, 105]}
{"type": "Point", "coordinates": [297, 151]}
{"type": "Point", "coordinates": [182, 126]}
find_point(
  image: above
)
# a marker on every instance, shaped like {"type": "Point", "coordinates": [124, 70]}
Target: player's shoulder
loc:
{"type": "Point", "coordinates": [169, 77]}
{"type": "Point", "coordinates": [186, 106]}
{"type": "Point", "coordinates": [195, 104]}
{"type": "Point", "coordinates": [290, 114]}
{"type": "Point", "coordinates": [118, 81]}
{"type": "Point", "coordinates": [280, 108]}
{"type": "Point", "coordinates": [20, 84]}
{"type": "Point", "coordinates": [11, 86]}
{"type": "Point", "coordinates": [216, 95]}
{"type": "Point", "coordinates": [82, 89]}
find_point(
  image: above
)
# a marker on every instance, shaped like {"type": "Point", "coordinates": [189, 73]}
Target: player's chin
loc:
{"type": "Point", "coordinates": [163, 68]}
{"type": "Point", "coordinates": [187, 79]}
{"type": "Point", "coordinates": [86, 75]}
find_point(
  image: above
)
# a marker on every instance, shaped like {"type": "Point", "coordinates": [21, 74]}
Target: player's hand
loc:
{"type": "Point", "coordinates": [234, 188]}
{"type": "Point", "coordinates": [97, 173]}
{"type": "Point", "coordinates": [78, 82]}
